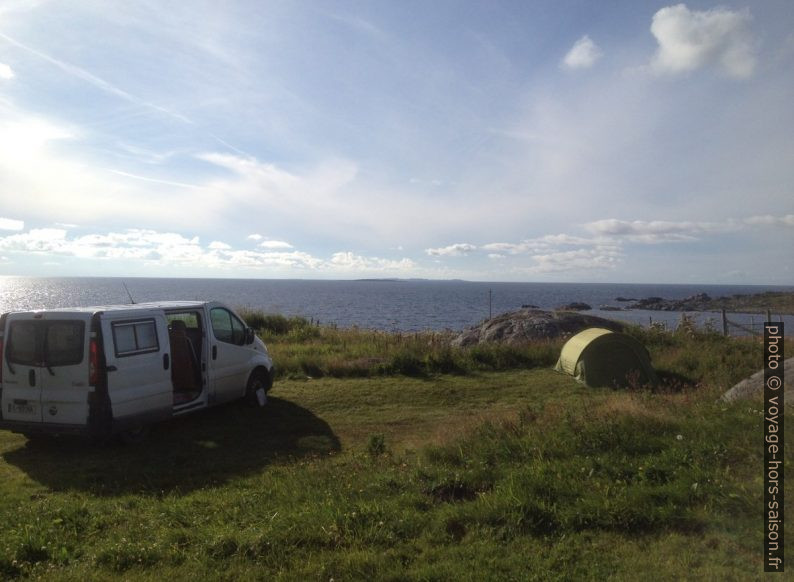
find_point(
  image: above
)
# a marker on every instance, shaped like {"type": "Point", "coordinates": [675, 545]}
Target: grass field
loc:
{"type": "Point", "coordinates": [497, 469]}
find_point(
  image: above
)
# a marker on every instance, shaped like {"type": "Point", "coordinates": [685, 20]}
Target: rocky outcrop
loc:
{"type": "Point", "coordinates": [575, 306]}
{"type": "Point", "coordinates": [531, 324]}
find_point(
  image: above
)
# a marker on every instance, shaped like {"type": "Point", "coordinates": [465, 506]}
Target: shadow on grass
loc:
{"type": "Point", "coordinates": [204, 449]}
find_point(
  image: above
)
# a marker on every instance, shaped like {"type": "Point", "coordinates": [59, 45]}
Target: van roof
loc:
{"type": "Point", "coordinates": [128, 307]}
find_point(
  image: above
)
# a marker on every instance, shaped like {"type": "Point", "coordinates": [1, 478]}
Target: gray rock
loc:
{"type": "Point", "coordinates": [753, 387]}
{"type": "Point", "coordinates": [519, 327]}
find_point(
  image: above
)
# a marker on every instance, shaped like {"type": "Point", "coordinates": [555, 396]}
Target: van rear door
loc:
{"type": "Point", "coordinates": [21, 376]}
{"type": "Point", "coordinates": [138, 358]}
{"type": "Point", "coordinates": [64, 368]}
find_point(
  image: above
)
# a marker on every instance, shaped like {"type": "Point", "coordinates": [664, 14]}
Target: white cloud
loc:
{"type": "Point", "coordinates": [275, 244]}
{"type": "Point", "coordinates": [598, 258]}
{"type": "Point", "coordinates": [130, 244]}
{"type": "Point", "coordinates": [254, 237]}
{"type": "Point", "coordinates": [658, 231]}
{"type": "Point", "coordinates": [583, 54]}
{"type": "Point", "coordinates": [167, 248]}
{"type": "Point", "coordinates": [454, 250]}
{"type": "Point", "coordinates": [6, 72]}
{"type": "Point", "coordinates": [691, 39]}
{"type": "Point", "coordinates": [540, 244]}
{"type": "Point", "coordinates": [769, 220]}
{"type": "Point", "coordinates": [348, 261]}
{"type": "Point", "coordinates": [11, 224]}
{"type": "Point", "coordinates": [257, 259]}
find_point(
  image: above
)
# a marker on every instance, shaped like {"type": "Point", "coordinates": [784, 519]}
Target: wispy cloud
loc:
{"type": "Point", "coordinates": [153, 180]}
{"type": "Point", "coordinates": [91, 79]}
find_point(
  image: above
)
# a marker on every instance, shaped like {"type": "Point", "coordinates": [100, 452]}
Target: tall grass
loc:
{"type": "Point", "coordinates": [300, 348]}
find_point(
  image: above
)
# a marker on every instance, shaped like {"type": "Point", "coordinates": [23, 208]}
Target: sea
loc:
{"type": "Point", "coordinates": [384, 304]}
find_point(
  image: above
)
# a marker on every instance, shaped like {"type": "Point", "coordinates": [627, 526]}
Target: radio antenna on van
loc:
{"type": "Point", "coordinates": [128, 293]}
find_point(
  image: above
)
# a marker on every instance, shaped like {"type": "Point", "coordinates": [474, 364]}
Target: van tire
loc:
{"type": "Point", "coordinates": [259, 380]}
{"type": "Point", "coordinates": [134, 435]}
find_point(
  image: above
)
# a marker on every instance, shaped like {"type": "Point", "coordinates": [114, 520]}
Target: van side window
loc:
{"type": "Point", "coordinates": [22, 343]}
{"type": "Point", "coordinates": [226, 327]}
{"type": "Point", "coordinates": [135, 337]}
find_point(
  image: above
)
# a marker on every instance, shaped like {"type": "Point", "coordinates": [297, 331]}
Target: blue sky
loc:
{"type": "Point", "coordinates": [514, 141]}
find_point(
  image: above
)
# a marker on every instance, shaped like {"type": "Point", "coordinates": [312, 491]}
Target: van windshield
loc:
{"type": "Point", "coordinates": [46, 343]}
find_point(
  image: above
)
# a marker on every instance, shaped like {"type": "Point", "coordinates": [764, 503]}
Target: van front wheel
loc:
{"type": "Point", "coordinates": [256, 391]}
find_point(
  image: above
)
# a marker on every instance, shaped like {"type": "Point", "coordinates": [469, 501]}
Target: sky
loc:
{"type": "Point", "coordinates": [621, 141]}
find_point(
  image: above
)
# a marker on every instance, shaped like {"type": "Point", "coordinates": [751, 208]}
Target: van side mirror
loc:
{"type": "Point", "coordinates": [249, 336]}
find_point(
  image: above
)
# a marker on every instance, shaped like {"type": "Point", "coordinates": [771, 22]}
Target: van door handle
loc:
{"type": "Point", "coordinates": [32, 377]}
{"type": "Point", "coordinates": [214, 352]}
{"type": "Point", "coordinates": [166, 361]}
{"type": "Point", "coordinates": [111, 368]}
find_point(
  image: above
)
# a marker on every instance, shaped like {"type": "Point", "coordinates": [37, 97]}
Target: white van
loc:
{"type": "Point", "coordinates": [118, 368]}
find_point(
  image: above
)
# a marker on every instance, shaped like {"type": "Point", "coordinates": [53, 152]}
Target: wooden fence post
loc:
{"type": "Point", "coordinates": [724, 324]}
{"type": "Point", "coordinates": [769, 315]}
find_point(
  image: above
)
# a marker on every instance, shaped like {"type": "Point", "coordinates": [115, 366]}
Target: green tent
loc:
{"type": "Point", "coordinates": [599, 357]}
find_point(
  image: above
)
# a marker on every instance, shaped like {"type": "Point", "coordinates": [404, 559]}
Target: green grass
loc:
{"type": "Point", "coordinates": [472, 474]}
{"type": "Point", "coordinates": [303, 349]}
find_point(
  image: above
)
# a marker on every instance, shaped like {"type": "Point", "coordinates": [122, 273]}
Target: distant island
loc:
{"type": "Point", "coordinates": [406, 280]}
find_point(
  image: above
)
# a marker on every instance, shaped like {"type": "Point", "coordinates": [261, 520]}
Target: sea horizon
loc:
{"type": "Point", "coordinates": [404, 305]}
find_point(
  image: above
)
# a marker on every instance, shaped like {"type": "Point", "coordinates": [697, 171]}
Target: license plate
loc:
{"type": "Point", "coordinates": [24, 409]}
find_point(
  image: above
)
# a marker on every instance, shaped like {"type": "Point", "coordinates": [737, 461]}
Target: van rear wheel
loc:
{"type": "Point", "coordinates": [256, 391]}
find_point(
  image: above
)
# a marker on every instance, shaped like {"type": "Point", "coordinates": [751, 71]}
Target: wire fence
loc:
{"type": "Point", "coordinates": [728, 324]}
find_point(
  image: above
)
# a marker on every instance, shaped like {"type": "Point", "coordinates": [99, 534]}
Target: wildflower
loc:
{"type": "Point", "coordinates": [679, 437]}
